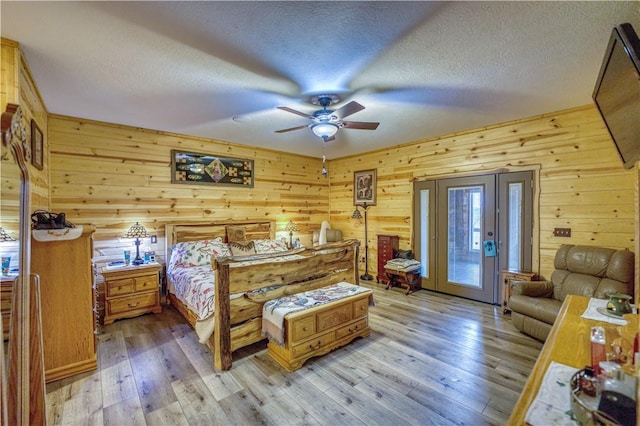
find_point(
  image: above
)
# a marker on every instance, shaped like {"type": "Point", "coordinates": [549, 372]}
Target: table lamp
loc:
{"type": "Point", "coordinates": [137, 231]}
{"type": "Point", "coordinates": [291, 228]}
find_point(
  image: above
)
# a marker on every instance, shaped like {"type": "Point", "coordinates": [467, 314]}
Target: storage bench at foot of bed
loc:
{"type": "Point", "coordinates": [319, 330]}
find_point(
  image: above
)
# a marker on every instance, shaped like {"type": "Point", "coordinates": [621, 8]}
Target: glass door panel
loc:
{"type": "Point", "coordinates": [425, 230]}
{"type": "Point", "coordinates": [466, 216]}
{"type": "Point", "coordinates": [463, 235]}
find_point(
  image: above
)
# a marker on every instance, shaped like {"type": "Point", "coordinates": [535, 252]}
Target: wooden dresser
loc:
{"type": "Point", "coordinates": [6, 290]}
{"type": "Point", "coordinates": [387, 248]}
{"type": "Point", "coordinates": [67, 299]}
{"type": "Point", "coordinates": [131, 291]}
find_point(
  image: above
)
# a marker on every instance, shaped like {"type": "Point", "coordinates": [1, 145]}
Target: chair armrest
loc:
{"type": "Point", "coordinates": [532, 288]}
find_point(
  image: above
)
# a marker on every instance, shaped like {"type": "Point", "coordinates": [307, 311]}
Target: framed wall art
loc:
{"type": "Point", "coordinates": [364, 187]}
{"type": "Point", "coordinates": [37, 146]}
{"type": "Point", "coordinates": [194, 168]}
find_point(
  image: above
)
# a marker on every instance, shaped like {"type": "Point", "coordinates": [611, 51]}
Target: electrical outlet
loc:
{"type": "Point", "coordinates": [154, 239]}
{"type": "Point", "coordinates": [364, 259]}
{"type": "Point", "coordinates": [562, 232]}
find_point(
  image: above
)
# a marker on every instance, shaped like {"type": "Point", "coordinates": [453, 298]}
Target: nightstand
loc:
{"type": "Point", "coordinates": [131, 291]}
{"type": "Point", "coordinates": [507, 277]}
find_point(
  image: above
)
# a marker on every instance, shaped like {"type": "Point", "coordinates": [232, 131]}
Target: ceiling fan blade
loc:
{"type": "Point", "coordinates": [332, 138]}
{"type": "Point", "coordinates": [293, 111]}
{"type": "Point", "coordinates": [292, 128]}
{"type": "Point", "coordinates": [348, 109]}
{"type": "Point", "coordinates": [364, 125]}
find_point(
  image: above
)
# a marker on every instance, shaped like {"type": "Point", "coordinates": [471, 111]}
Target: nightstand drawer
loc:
{"type": "Point", "coordinates": [149, 282]}
{"type": "Point", "coordinates": [118, 287]}
{"type": "Point", "coordinates": [126, 304]}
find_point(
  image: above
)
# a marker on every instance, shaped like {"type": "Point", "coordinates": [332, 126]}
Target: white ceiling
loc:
{"type": "Point", "coordinates": [421, 69]}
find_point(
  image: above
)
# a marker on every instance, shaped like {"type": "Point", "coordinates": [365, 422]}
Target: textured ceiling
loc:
{"type": "Point", "coordinates": [219, 69]}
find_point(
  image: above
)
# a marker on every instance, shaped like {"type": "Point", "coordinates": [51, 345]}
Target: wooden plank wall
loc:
{"type": "Point", "coordinates": [17, 86]}
{"type": "Point", "coordinates": [581, 182]}
{"type": "Point", "coordinates": [111, 176]}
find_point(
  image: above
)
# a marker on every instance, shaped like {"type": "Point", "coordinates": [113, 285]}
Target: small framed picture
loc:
{"type": "Point", "coordinates": [364, 187]}
{"type": "Point", "coordinates": [37, 146]}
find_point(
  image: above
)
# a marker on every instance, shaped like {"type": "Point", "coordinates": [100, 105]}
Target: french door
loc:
{"type": "Point", "coordinates": [470, 228]}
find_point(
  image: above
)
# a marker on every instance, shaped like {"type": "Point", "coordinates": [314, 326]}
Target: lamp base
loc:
{"type": "Point", "coordinates": [366, 277]}
{"type": "Point", "coordinates": [137, 262]}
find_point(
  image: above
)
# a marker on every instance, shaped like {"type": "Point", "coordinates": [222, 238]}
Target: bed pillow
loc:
{"type": "Point", "coordinates": [242, 248]}
{"type": "Point", "coordinates": [269, 246]}
{"type": "Point", "coordinates": [236, 233]}
{"type": "Point", "coordinates": [197, 253]}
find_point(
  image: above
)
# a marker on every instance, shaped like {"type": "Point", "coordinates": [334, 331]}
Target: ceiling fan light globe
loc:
{"type": "Point", "coordinates": [324, 130]}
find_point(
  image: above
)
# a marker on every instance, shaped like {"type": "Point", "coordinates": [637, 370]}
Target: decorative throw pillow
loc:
{"type": "Point", "coordinates": [242, 248]}
{"type": "Point", "coordinates": [197, 253]}
{"type": "Point", "coordinates": [236, 233]}
{"type": "Point", "coordinates": [269, 246]}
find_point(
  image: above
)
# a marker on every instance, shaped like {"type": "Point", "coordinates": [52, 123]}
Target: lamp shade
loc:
{"type": "Point", "coordinates": [324, 130]}
{"type": "Point", "coordinates": [291, 227]}
{"type": "Point", "coordinates": [136, 231]}
{"type": "Point", "coordinates": [5, 237]}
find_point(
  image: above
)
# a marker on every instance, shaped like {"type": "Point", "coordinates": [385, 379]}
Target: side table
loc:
{"type": "Point", "coordinates": [406, 279]}
{"type": "Point", "coordinates": [507, 277]}
{"type": "Point", "coordinates": [131, 291]}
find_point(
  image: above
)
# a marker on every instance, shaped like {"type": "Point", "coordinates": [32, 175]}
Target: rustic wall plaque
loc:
{"type": "Point", "coordinates": [189, 167]}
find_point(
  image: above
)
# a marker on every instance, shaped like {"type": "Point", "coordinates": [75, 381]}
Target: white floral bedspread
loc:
{"type": "Point", "coordinates": [194, 285]}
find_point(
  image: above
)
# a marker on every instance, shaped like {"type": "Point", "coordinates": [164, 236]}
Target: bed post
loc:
{"type": "Point", "coordinates": [222, 321]}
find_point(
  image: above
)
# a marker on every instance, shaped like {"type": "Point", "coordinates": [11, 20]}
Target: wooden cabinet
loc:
{"type": "Point", "coordinates": [67, 304]}
{"type": "Point", "coordinates": [319, 330]}
{"type": "Point", "coordinates": [131, 291]}
{"type": "Point", "coordinates": [6, 290]}
{"type": "Point", "coordinates": [507, 277]}
{"type": "Point", "coordinates": [387, 248]}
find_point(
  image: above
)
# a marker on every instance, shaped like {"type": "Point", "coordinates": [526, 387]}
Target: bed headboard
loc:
{"type": "Point", "coordinates": [194, 231]}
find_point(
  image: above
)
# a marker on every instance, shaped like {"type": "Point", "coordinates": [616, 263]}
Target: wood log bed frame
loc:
{"type": "Point", "coordinates": [238, 321]}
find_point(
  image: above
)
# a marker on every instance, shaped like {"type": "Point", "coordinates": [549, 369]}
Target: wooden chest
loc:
{"type": "Point", "coordinates": [319, 330]}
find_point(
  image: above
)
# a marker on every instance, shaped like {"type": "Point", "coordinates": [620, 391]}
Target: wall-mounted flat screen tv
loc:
{"type": "Point", "coordinates": [617, 92]}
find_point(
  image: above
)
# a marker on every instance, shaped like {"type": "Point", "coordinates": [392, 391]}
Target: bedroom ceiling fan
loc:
{"type": "Point", "coordinates": [326, 122]}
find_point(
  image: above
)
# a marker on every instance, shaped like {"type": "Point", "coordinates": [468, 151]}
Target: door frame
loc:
{"type": "Point", "coordinates": [419, 184]}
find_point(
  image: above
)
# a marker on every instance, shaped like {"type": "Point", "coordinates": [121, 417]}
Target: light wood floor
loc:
{"type": "Point", "coordinates": [430, 359]}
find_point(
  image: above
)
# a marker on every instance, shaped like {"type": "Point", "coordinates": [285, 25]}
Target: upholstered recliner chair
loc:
{"type": "Point", "coordinates": [580, 270]}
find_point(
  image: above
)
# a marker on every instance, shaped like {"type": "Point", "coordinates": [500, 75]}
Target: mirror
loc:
{"type": "Point", "coordinates": [23, 391]}
{"type": "Point", "coordinates": [9, 210]}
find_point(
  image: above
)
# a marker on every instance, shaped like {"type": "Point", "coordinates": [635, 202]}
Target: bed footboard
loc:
{"type": "Point", "coordinates": [238, 322]}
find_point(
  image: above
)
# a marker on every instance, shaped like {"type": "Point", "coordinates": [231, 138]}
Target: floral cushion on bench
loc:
{"type": "Point", "coordinates": [274, 311]}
